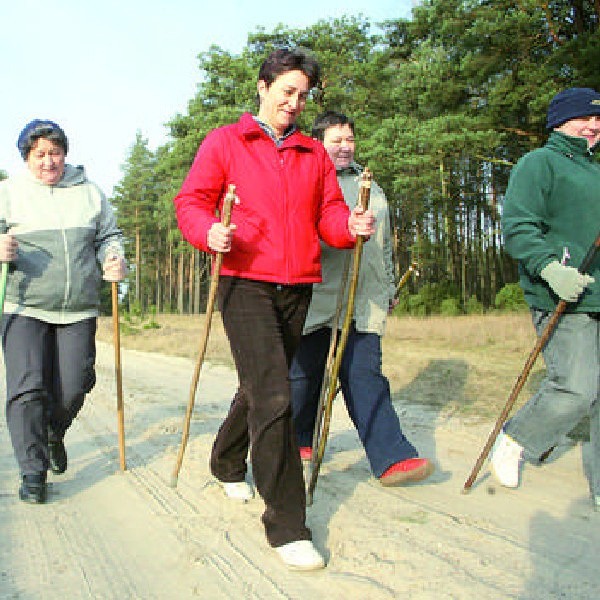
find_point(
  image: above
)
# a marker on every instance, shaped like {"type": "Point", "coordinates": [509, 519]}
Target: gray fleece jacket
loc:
{"type": "Point", "coordinates": [375, 287]}
{"type": "Point", "coordinates": [64, 232]}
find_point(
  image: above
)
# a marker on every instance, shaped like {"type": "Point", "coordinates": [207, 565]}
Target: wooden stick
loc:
{"type": "Point", "coordinates": [212, 294]}
{"type": "Point", "coordinates": [363, 198]}
{"type": "Point", "coordinates": [3, 270]}
{"type": "Point", "coordinates": [404, 279]}
{"type": "Point", "coordinates": [118, 376]}
{"type": "Point", "coordinates": [330, 357]}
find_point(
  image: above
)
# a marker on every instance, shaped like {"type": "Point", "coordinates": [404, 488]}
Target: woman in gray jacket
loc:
{"type": "Point", "coordinates": [61, 228]}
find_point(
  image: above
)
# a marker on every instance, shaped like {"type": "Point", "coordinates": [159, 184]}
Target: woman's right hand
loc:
{"type": "Point", "coordinates": [8, 247]}
{"type": "Point", "coordinates": [219, 237]}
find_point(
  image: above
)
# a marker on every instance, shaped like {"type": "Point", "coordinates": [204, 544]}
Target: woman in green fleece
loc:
{"type": "Point", "coordinates": [551, 217]}
{"type": "Point", "coordinates": [61, 229]}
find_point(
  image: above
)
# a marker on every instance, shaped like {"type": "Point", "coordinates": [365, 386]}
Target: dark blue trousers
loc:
{"type": "Point", "coordinates": [366, 393]}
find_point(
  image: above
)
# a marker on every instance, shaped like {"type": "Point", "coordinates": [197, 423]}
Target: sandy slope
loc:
{"type": "Point", "coordinates": [113, 535]}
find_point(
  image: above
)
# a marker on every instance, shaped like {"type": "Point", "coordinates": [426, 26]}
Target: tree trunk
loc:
{"type": "Point", "coordinates": [138, 264]}
{"type": "Point", "coordinates": [170, 281]}
{"type": "Point", "coordinates": [191, 286]}
{"type": "Point", "coordinates": [180, 286]}
{"type": "Point", "coordinates": [197, 277]}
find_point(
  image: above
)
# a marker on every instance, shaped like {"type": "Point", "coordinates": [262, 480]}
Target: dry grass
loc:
{"type": "Point", "coordinates": [464, 365]}
{"type": "Point", "coordinates": [176, 336]}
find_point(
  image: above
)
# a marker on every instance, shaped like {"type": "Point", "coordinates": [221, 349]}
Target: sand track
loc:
{"type": "Point", "coordinates": [113, 535]}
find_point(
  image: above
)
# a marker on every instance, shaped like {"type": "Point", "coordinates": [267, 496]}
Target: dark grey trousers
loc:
{"type": "Point", "coordinates": [49, 369]}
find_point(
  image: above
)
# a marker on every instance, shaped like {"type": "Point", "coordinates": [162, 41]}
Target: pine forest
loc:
{"type": "Point", "coordinates": [443, 103]}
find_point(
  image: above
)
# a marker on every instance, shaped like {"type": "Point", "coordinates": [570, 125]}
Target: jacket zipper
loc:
{"type": "Point", "coordinates": [285, 220]}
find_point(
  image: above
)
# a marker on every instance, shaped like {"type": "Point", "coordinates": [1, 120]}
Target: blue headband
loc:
{"type": "Point", "coordinates": [36, 129]}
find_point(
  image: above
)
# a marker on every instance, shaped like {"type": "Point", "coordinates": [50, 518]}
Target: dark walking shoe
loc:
{"type": "Point", "coordinates": [57, 455]}
{"type": "Point", "coordinates": [33, 488]}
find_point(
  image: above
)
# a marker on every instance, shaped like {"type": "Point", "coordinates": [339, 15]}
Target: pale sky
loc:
{"type": "Point", "coordinates": [103, 70]}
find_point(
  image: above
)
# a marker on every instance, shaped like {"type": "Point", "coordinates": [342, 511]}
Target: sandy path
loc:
{"type": "Point", "coordinates": [112, 535]}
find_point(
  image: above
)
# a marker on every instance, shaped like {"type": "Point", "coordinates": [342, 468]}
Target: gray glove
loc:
{"type": "Point", "coordinates": [566, 282]}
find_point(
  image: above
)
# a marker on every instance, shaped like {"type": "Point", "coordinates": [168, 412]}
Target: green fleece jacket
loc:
{"type": "Point", "coordinates": [375, 288]}
{"type": "Point", "coordinates": [64, 232]}
{"type": "Point", "coordinates": [553, 202]}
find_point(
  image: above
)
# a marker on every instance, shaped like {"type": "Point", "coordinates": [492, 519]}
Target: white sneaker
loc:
{"type": "Point", "coordinates": [507, 457]}
{"type": "Point", "coordinates": [301, 556]}
{"type": "Point", "coordinates": [238, 490]}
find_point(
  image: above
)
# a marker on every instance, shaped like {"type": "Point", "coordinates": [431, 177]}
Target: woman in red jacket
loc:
{"type": "Point", "coordinates": [287, 198]}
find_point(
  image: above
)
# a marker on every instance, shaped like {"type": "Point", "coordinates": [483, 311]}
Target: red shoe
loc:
{"type": "Point", "coordinates": [407, 471]}
{"type": "Point", "coordinates": [306, 452]}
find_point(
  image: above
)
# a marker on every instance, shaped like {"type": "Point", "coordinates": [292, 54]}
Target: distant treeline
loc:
{"type": "Point", "coordinates": [444, 105]}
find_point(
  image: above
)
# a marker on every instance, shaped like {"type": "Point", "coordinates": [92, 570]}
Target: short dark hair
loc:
{"type": "Point", "coordinates": [38, 128]}
{"type": "Point", "coordinates": [327, 119]}
{"type": "Point", "coordinates": [283, 60]}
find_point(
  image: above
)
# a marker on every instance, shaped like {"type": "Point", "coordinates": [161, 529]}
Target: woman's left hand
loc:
{"type": "Point", "coordinates": [114, 268]}
{"type": "Point", "coordinates": [8, 247]}
{"type": "Point", "coordinates": [361, 222]}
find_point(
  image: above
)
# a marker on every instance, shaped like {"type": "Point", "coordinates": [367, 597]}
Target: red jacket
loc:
{"type": "Point", "coordinates": [289, 197]}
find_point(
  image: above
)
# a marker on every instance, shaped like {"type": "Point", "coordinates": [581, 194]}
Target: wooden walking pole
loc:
{"type": "Point", "coordinates": [212, 295]}
{"type": "Point", "coordinates": [520, 382]}
{"type": "Point", "coordinates": [118, 376]}
{"type": "Point", "coordinates": [330, 356]}
{"type": "Point", "coordinates": [364, 195]}
{"type": "Point", "coordinates": [404, 279]}
{"type": "Point", "coordinates": [3, 270]}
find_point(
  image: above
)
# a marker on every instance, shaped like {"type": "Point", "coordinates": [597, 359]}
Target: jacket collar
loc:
{"type": "Point", "coordinates": [251, 128]}
{"type": "Point", "coordinates": [352, 169]}
{"type": "Point", "coordinates": [568, 145]}
{"type": "Point", "coordinates": [73, 175]}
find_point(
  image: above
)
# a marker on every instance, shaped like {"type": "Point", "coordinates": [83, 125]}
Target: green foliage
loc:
{"type": "Point", "coordinates": [444, 105]}
{"type": "Point", "coordinates": [511, 298]}
{"type": "Point", "coordinates": [136, 319]}
{"type": "Point", "coordinates": [417, 306]}
{"type": "Point", "coordinates": [450, 307]}
{"type": "Point", "coordinates": [432, 298]}
{"type": "Point", "coordinates": [134, 314]}
{"type": "Point", "coordinates": [151, 322]}
{"type": "Point", "coordinates": [126, 329]}
{"type": "Point", "coordinates": [403, 306]}
{"type": "Point", "coordinates": [434, 294]}
{"type": "Point", "coordinates": [105, 298]}
{"type": "Point", "coordinates": [473, 306]}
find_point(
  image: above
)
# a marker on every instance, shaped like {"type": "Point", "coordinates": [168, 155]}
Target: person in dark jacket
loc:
{"type": "Point", "coordinates": [551, 217]}
{"type": "Point", "coordinates": [287, 198]}
{"type": "Point", "coordinates": [61, 229]}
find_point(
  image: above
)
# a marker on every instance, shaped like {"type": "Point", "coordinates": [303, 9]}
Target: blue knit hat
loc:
{"type": "Point", "coordinates": [571, 104]}
{"type": "Point", "coordinates": [40, 128]}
